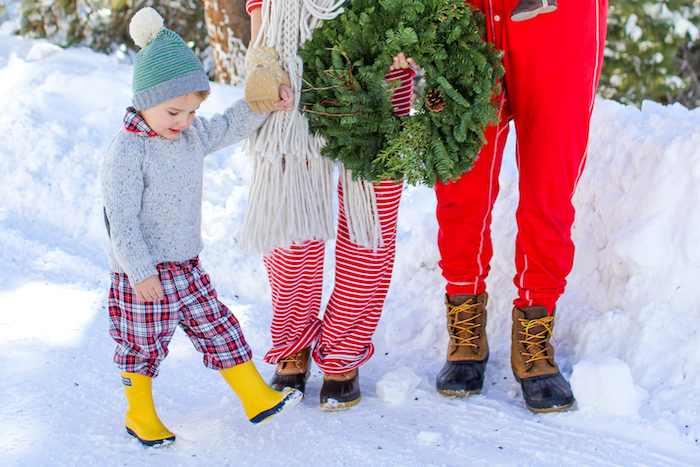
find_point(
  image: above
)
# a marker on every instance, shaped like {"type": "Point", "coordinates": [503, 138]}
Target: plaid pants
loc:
{"type": "Point", "coordinates": [143, 330]}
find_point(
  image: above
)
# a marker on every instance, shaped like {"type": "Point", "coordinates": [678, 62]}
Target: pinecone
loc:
{"type": "Point", "coordinates": [434, 101]}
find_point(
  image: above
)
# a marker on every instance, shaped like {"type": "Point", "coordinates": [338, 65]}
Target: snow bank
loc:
{"type": "Point", "coordinates": [396, 386]}
{"type": "Point", "coordinates": [606, 384]}
{"type": "Point", "coordinates": [626, 327]}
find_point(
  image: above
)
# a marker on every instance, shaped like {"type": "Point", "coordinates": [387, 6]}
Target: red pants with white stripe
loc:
{"type": "Point", "coordinates": [343, 339]}
{"type": "Point", "coordinates": [552, 65]}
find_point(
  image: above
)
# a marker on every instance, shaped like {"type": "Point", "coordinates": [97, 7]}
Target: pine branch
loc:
{"type": "Point", "coordinates": [350, 100]}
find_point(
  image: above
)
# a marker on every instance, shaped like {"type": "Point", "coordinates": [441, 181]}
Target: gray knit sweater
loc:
{"type": "Point", "coordinates": [152, 190]}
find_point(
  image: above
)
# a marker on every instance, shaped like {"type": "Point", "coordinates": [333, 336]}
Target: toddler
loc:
{"type": "Point", "coordinates": [152, 177]}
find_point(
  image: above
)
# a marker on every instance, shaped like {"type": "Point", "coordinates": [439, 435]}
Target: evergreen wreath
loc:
{"type": "Point", "coordinates": [347, 100]}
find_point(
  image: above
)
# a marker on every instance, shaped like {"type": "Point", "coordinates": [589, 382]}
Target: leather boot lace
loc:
{"type": "Point", "coordinates": [536, 340]}
{"type": "Point", "coordinates": [462, 330]}
{"type": "Point", "coordinates": [295, 359]}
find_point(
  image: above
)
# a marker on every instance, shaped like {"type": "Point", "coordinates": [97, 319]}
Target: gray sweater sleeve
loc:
{"type": "Point", "coordinates": [152, 190]}
{"type": "Point", "coordinates": [122, 191]}
{"type": "Point", "coordinates": [237, 123]}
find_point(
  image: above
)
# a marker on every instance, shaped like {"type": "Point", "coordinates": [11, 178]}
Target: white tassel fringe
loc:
{"type": "Point", "coordinates": [290, 198]}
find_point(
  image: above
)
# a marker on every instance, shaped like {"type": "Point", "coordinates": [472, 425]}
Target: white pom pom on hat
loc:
{"type": "Point", "coordinates": [145, 26]}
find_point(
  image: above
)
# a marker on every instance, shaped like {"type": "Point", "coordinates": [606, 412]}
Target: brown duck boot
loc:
{"type": "Point", "coordinates": [293, 371]}
{"type": "Point", "coordinates": [532, 359]}
{"type": "Point", "coordinates": [340, 392]}
{"type": "Point", "coordinates": [468, 350]}
{"type": "Point", "coordinates": [528, 9]}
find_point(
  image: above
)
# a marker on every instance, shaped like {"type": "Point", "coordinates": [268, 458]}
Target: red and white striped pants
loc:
{"type": "Point", "coordinates": [343, 339]}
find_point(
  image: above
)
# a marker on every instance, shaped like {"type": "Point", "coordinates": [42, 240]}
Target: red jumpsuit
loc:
{"type": "Point", "coordinates": [552, 66]}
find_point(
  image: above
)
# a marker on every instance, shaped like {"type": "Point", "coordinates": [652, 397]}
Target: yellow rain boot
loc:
{"type": "Point", "coordinates": [259, 400]}
{"type": "Point", "coordinates": [141, 420]}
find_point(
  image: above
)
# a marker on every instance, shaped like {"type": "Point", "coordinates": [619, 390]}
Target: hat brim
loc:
{"type": "Point", "coordinates": [176, 87]}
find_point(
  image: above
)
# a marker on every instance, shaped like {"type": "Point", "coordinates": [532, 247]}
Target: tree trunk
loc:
{"type": "Point", "coordinates": [228, 27]}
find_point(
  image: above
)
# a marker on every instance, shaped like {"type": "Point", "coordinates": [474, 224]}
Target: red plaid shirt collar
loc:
{"type": "Point", "coordinates": [134, 123]}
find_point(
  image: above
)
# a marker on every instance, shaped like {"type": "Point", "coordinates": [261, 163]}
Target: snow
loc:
{"type": "Point", "coordinates": [397, 386]}
{"type": "Point", "coordinates": [606, 384]}
{"type": "Point", "coordinates": [626, 332]}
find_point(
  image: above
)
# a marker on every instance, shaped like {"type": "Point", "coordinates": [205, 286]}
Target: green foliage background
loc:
{"type": "Point", "coordinates": [103, 24]}
{"type": "Point", "coordinates": [652, 52]}
{"type": "Point", "coordinates": [653, 48]}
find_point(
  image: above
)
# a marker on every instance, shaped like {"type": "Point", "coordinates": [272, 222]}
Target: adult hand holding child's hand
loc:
{"type": "Point", "coordinates": [263, 86]}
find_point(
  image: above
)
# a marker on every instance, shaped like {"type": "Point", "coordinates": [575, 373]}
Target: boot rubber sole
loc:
{"type": "Point", "coordinates": [332, 405]}
{"type": "Point", "coordinates": [277, 385]}
{"type": "Point", "coordinates": [290, 400]}
{"type": "Point", "coordinates": [458, 393]}
{"type": "Point", "coordinates": [551, 408]}
{"type": "Point", "coordinates": [156, 443]}
{"type": "Point", "coordinates": [461, 388]}
{"type": "Point", "coordinates": [555, 408]}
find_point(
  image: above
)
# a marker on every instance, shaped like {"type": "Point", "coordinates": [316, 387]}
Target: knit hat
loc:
{"type": "Point", "coordinates": [164, 68]}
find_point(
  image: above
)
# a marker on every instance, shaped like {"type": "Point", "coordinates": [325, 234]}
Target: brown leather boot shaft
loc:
{"type": "Point", "coordinates": [531, 352]}
{"type": "Point", "coordinates": [295, 364]}
{"type": "Point", "coordinates": [466, 326]}
{"type": "Point", "coordinates": [341, 377]}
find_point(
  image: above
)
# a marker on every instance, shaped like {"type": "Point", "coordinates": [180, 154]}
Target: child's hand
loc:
{"type": "Point", "coordinates": [149, 289]}
{"type": "Point", "coordinates": [287, 99]}
{"type": "Point", "coordinates": [400, 61]}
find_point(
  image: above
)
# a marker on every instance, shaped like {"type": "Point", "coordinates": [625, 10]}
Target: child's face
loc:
{"type": "Point", "coordinates": [169, 118]}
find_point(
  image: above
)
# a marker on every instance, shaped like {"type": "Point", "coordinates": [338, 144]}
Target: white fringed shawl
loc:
{"type": "Point", "coordinates": [290, 198]}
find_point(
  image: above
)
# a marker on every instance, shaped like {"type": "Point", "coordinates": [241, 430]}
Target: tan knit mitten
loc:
{"type": "Point", "coordinates": [265, 75]}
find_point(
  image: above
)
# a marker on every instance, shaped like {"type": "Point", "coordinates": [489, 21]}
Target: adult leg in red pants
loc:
{"type": "Point", "coordinates": [552, 67]}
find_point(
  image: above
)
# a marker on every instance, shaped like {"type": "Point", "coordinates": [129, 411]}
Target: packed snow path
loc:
{"type": "Point", "coordinates": [626, 331]}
